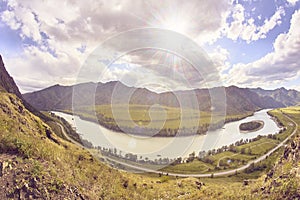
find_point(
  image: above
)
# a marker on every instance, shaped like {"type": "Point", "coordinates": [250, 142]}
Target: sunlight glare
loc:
{"type": "Point", "coordinates": [175, 24]}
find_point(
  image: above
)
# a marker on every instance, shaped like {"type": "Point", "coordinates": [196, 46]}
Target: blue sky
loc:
{"type": "Point", "coordinates": [251, 43]}
{"type": "Point", "coordinates": [240, 50]}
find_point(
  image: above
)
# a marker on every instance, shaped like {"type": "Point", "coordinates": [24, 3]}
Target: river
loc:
{"type": "Point", "coordinates": [170, 147]}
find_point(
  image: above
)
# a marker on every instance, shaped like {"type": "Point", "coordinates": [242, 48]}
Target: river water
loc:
{"type": "Point", "coordinates": [170, 147]}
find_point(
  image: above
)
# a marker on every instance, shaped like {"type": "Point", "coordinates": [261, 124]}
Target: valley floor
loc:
{"type": "Point", "coordinates": [167, 119]}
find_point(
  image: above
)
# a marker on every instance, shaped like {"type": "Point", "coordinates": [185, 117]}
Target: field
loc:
{"type": "Point", "coordinates": [194, 167]}
{"type": "Point", "coordinates": [155, 116]}
{"type": "Point", "coordinates": [166, 121]}
{"type": "Point", "coordinates": [258, 147]}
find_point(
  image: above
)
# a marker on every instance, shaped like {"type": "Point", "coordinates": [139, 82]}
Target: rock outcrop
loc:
{"type": "Point", "coordinates": [7, 82]}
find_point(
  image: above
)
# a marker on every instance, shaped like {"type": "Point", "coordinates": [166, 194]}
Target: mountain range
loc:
{"type": "Point", "coordinates": [57, 97]}
{"type": "Point", "coordinates": [286, 97]}
{"type": "Point", "coordinates": [238, 100]}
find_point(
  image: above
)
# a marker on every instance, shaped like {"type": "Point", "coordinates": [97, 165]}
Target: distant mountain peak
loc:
{"type": "Point", "coordinates": [234, 87]}
{"type": "Point", "coordinates": [282, 95]}
{"type": "Point", "coordinates": [283, 89]}
{"type": "Point", "coordinates": [113, 83]}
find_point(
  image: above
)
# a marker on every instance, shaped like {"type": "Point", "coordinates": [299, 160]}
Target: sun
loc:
{"type": "Point", "coordinates": [171, 20]}
{"type": "Point", "coordinates": [175, 24]}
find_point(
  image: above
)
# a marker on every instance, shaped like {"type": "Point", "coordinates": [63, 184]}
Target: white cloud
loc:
{"type": "Point", "coordinates": [220, 57]}
{"type": "Point", "coordinates": [245, 29]}
{"type": "Point", "coordinates": [279, 66]}
{"type": "Point", "coordinates": [41, 67]}
{"type": "Point", "coordinates": [236, 27]}
{"type": "Point", "coordinates": [292, 2]}
{"type": "Point", "coordinates": [23, 19]}
{"type": "Point", "coordinates": [30, 27]}
{"type": "Point", "coordinates": [9, 18]}
{"type": "Point", "coordinates": [296, 87]}
{"type": "Point", "coordinates": [270, 24]}
{"type": "Point", "coordinates": [55, 30]}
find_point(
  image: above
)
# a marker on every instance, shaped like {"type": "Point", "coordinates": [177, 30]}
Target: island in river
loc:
{"type": "Point", "coordinates": [251, 126]}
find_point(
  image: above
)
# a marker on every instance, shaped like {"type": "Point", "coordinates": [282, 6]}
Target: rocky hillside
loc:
{"type": "Point", "coordinates": [238, 100]}
{"type": "Point", "coordinates": [283, 180]}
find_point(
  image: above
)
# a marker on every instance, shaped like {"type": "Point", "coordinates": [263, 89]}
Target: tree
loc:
{"type": "Point", "coordinates": [191, 157]}
{"type": "Point", "coordinates": [209, 152]}
{"type": "Point", "coordinates": [177, 161]}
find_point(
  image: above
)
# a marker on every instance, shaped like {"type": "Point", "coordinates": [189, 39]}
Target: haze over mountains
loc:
{"type": "Point", "coordinates": [238, 100]}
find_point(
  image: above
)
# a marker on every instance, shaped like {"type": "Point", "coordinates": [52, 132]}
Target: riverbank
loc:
{"type": "Point", "coordinates": [276, 119]}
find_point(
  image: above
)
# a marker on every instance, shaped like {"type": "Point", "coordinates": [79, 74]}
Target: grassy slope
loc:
{"type": "Point", "coordinates": [46, 166]}
{"type": "Point", "coordinates": [24, 135]}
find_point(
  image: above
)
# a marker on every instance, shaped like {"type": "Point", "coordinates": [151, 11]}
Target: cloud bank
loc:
{"type": "Point", "coordinates": [58, 36]}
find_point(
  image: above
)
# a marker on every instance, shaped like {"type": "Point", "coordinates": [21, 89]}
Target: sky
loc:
{"type": "Point", "coordinates": [253, 43]}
